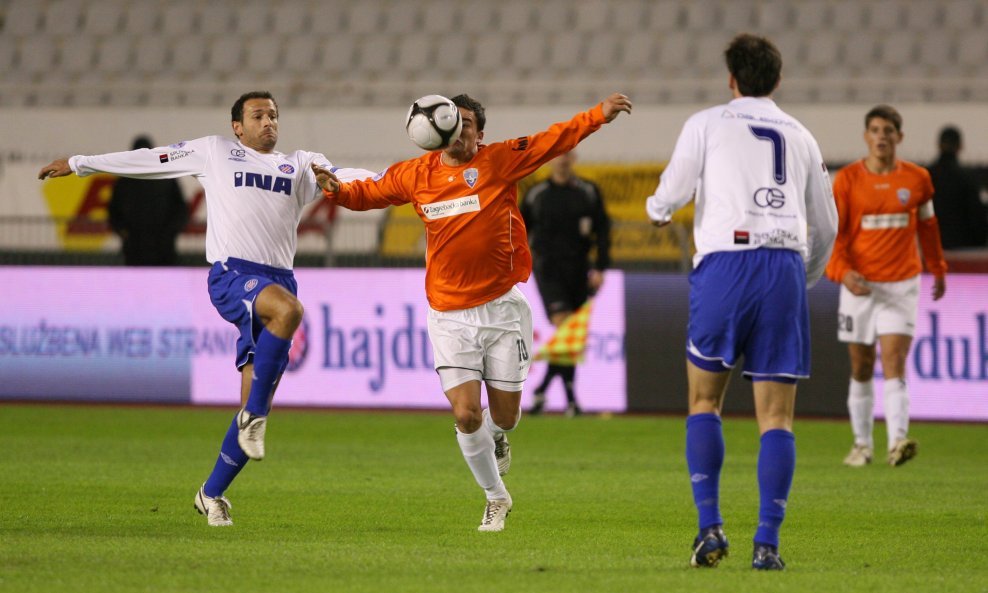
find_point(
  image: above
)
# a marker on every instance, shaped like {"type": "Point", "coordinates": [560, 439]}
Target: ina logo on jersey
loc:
{"type": "Point", "coordinates": [281, 185]}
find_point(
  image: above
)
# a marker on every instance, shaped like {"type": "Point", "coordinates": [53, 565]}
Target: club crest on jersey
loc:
{"type": "Point", "coordinates": [903, 194]}
{"type": "Point", "coordinates": [250, 285]}
{"type": "Point", "coordinates": [286, 169]}
{"type": "Point", "coordinates": [282, 185]}
{"type": "Point", "coordinates": [470, 176]}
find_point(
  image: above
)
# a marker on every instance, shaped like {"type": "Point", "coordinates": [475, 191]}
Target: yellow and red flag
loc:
{"type": "Point", "coordinates": [568, 345]}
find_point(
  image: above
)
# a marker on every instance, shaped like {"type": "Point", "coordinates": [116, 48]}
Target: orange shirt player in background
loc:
{"type": "Point", "coordinates": [480, 324]}
{"type": "Point", "coordinates": [882, 204]}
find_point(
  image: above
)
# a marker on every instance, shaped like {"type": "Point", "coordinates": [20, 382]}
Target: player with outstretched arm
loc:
{"type": "Point", "coordinates": [764, 227]}
{"type": "Point", "coordinates": [479, 322]}
{"type": "Point", "coordinates": [255, 196]}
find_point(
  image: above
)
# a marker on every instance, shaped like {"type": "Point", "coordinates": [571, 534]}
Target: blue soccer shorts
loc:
{"type": "Point", "coordinates": [753, 304]}
{"type": "Point", "coordinates": [233, 288]}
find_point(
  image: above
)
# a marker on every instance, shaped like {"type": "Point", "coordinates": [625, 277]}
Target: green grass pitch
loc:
{"type": "Point", "coordinates": [99, 498]}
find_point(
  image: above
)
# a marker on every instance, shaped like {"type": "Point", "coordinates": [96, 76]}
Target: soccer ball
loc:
{"type": "Point", "coordinates": [433, 122]}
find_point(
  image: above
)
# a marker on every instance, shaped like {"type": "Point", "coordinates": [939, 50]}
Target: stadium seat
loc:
{"type": "Point", "coordinates": [566, 54]}
{"type": "Point", "coordinates": [666, 16]}
{"type": "Point", "coordinates": [672, 56]}
{"type": "Point", "coordinates": [773, 16]}
{"type": "Point", "coordinates": [103, 18]}
{"type": "Point", "coordinates": [528, 53]}
{"type": "Point", "coordinates": [301, 56]}
{"type": "Point", "coordinates": [886, 17]}
{"type": "Point", "coordinates": [859, 52]}
{"type": "Point", "coordinates": [141, 19]}
{"type": "Point", "coordinates": [963, 14]}
{"type": "Point", "coordinates": [364, 18]}
{"type": "Point", "coordinates": [375, 57]}
{"type": "Point", "coordinates": [253, 17]}
{"type": "Point", "coordinates": [477, 17]}
{"type": "Point", "coordinates": [701, 16]}
{"type": "Point", "coordinates": [813, 16]}
{"type": "Point", "coordinates": [451, 55]}
{"type": "Point", "coordinates": [736, 17]}
{"type": "Point", "coordinates": [263, 55]}
{"type": "Point", "coordinates": [63, 17]}
{"type": "Point", "coordinates": [490, 53]}
{"type": "Point", "coordinates": [225, 54]}
{"type": "Point", "coordinates": [850, 15]}
{"type": "Point", "coordinates": [294, 18]}
{"type": "Point", "coordinates": [708, 57]}
{"type": "Point", "coordinates": [415, 55]}
{"type": "Point", "coordinates": [76, 54]}
{"type": "Point", "coordinates": [936, 54]}
{"type": "Point", "coordinates": [114, 55]}
{"type": "Point", "coordinates": [515, 16]}
{"type": "Point", "coordinates": [216, 18]}
{"type": "Point", "coordinates": [896, 52]}
{"type": "Point", "coordinates": [37, 54]}
{"type": "Point", "coordinates": [630, 15]}
{"type": "Point", "coordinates": [403, 18]}
{"type": "Point", "coordinates": [972, 49]}
{"type": "Point", "coordinates": [151, 54]}
{"type": "Point", "coordinates": [592, 16]}
{"type": "Point", "coordinates": [178, 17]}
{"type": "Point", "coordinates": [922, 16]}
{"type": "Point", "coordinates": [601, 55]}
{"type": "Point", "coordinates": [436, 17]}
{"type": "Point", "coordinates": [337, 54]}
{"type": "Point", "coordinates": [22, 17]}
{"type": "Point", "coordinates": [554, 16]}
{"type": "Point", "coordinates": [8, 54]}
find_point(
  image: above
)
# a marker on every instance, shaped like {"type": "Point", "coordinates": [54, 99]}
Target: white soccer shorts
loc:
{"type": "Point", "coordinates": [493, 339]}
{"type": "Point", "coordinates": [891, 308]}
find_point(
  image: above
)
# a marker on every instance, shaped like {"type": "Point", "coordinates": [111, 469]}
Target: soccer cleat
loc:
{"type": "Point", "coordinates": [903, 451]}
{"type": "Point", "coordinates": [766, 557]}
{"type": "Point", "coordinates": [216, 510]}
{"type": "Point", "coordinates": [502, 453]}
{"type": "Point", "coordinates": [538, 404]}
{"type": "Point", "coordinates": [709, 547]}
{"type": "Point", "coordinates": [495, 513]}
{"type": "Point", "coordinates": [573, 410]}
{"type": "Point", "coordinates": [859, 456]}
{"type": "Point", "coordinates": [251, 434]}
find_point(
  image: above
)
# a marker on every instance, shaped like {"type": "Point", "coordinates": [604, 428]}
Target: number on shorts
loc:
{"type": "Point", "coordinates": [522, 350]}
{"type": "Point", "coordinates": [778, 150]}
{"type": "Point", "coordinates": [845, 322]}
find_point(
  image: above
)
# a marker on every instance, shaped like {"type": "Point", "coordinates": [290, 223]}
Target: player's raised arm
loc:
{"type": "Point", "coordinates": [165, 162]}
{"type": "Point", "coordinates": [351, 189]}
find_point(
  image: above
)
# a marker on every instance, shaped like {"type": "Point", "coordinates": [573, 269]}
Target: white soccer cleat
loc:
{"type": "Point", "coordinates": [251, 434]}
{"type": "Point", "coordinates": [902, 451]}
{"type": "Point", "coordinates": [216, 510]}
{"type": "Point", "coordinates": [494, 515]}
{"type": "Point", "coordinates": [502, 453]}
{"type": "Point", "coordinates": [859, 456]}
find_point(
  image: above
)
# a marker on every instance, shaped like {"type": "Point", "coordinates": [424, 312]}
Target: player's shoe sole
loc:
{"type": "Point", "coordinates": [903, 451]}
{"type": "Point", "coordinates": [709, 548]}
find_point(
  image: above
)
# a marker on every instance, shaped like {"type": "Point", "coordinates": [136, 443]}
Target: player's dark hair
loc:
{"type": "Point", "coordinates": [886, 112]}
{"type": "Point", "coordinates": [755, 63]}
{"type": "Point", "coordinates": [950, 140]}
{"type": "Point", "coordinates": [467, 102]}
{"type": "Point", "coordinates": [237, 113]}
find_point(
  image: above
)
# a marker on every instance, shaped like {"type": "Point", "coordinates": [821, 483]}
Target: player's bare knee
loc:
{"type": "Point", "coordinates": [468, 419]}
{"type": "Point", "coordinates": [506, 420]}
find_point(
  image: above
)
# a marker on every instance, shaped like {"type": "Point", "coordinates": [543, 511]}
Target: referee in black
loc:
{"type": "Point", "coordinates": [565, 217]}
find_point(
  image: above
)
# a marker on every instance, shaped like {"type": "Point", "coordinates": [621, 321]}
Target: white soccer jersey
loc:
{"type": "Point", "coordinates": [254, 200]}
{"type": "Point", "coordinates": [759, 180]}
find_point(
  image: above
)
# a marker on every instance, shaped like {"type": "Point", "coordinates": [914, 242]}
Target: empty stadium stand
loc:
{"type": "Point", "coordinates": [92, 53]}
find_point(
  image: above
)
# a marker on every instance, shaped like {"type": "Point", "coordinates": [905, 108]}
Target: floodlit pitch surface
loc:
{"type": "Point", "coordinates": [97, 498]}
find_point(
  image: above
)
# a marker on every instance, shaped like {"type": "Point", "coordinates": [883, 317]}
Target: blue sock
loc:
{"type": "Point", "coordinates": [776, 465]}
{"type": "Point", "coordinates": [704, 458]}
{"type": "Point", "coordinates": [270, 357]}
{"type": "Point", "coordinates": [231, 460]}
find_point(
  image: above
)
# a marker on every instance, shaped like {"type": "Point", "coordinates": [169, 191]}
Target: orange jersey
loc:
{"type": "Point", "coordinates": [476, 243]}
{"type": "Point", "coordinates": [879, 219]}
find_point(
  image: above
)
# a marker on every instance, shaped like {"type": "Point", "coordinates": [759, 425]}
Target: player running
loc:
{"type": "Point", "coordinates": [479, 322]}
{"type": "Point", "coordinates": [255, 197]}
{"type": "Point", "coordinates": [883, 204]}
{"type": "Point", "coordinates": [764, 227]}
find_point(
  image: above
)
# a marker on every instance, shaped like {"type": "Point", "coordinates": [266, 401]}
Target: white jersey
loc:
{"type": "Point", "coordinates": [254, 200]}
{"type": "Point", "coordinates": [759, 180]}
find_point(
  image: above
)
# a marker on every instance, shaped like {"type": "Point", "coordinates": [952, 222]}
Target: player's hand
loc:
{"type": "Point", "coordinates": [661, 223]}
{"type": "Point", "coordinates": [939, 287]}
{"type": "Point", "coordinates": [856, 283]}
{"type": "Point", "coordinates": [325, 179]}
{"type": "Point", "coordinates": [614, 105]}
{"type": "Point", "coordinates": [595, 279]}
{"type": "Point", "coordinates": [56, 168]}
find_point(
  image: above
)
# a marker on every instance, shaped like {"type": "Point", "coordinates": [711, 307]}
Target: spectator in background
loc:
{"type": "Point", "coordinates": [565, 217]}
{"type": "Point", "coordinates": [963, 218]}
{"type": "Point", "coordinates": [148, 214]}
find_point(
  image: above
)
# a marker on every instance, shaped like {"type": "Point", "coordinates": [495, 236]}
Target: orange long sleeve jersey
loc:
{"type": "Point", "coordinates": [880, 217]}
{"type": "Point", "coordinates": [476, 243]}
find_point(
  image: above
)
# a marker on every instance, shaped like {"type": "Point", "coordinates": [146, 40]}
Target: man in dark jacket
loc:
{"type": "Point", "coordinates": [963, 218]}
{"type": "Point", "coordinates": [148, 214]}
{"type": "Point", "coordinates": [565, 218]}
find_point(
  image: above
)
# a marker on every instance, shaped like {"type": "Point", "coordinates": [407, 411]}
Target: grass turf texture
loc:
{"type": "Point", "coordinates": [100, 499]}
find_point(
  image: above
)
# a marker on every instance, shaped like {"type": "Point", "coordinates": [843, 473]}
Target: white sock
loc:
{"type": "Point", "coordinates": [896, 409]}
{"type": "Point", "coordinates": [494, 428]}
{"type": "Point", "coordinates": [478, 451]}
{"type": "Point", "coordinates": [861, 406]}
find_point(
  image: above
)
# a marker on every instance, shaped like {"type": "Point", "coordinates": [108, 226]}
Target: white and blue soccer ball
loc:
{"type": "Point", "coordinates": [433, 122]}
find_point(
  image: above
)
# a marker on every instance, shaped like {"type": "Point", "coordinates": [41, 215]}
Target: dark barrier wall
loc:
{"type": "Point", "coordinates": [657, 306]}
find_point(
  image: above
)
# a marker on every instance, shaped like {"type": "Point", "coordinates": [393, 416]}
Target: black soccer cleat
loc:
{"type": "Point", "coordinates": [709, 547]}
{"type": "Point", "coordinates": [766, 557]}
